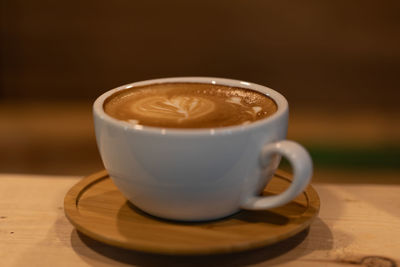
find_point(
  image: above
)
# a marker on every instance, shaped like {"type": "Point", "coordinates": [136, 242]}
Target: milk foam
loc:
{"type": "Point", "coordinates": [251, 110]}
{"type": "Point", "coordinates": [173, 108]}
{"type": "Point", "coordinates": [189, 105]}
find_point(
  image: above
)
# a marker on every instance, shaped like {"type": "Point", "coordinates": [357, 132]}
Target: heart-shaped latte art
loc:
{"type": "Point", "coordinates": [176, 108]}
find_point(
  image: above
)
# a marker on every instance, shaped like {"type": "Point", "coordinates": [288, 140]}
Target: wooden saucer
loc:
{"type": "Point", "coordinates": [97, 209]}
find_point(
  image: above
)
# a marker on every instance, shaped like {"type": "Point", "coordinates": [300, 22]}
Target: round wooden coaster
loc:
{"type": "Point", "coordinates": [97, 209]}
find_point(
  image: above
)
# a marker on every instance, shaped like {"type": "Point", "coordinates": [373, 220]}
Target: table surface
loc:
{"type": "Point", "coordinates": [359, 224]}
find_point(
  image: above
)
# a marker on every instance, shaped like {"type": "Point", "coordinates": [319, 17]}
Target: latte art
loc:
{"type": "Point", "coordinates": [175, 108]}
{"type": "Point", "coordinates": [189, 105]}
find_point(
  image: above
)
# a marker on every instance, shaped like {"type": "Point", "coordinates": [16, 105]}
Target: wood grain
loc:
{"type": "Point", "coordinates": [357, 224]}
{"type": "Point", "coordinates": [96, 208]}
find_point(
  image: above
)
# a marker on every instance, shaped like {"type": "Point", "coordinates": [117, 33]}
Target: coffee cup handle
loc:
{"type": "Point", "coordinates": [302, 171]}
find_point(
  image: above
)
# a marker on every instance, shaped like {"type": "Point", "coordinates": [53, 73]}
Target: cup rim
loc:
{"type": "Point", "coordinates": [279, 99]}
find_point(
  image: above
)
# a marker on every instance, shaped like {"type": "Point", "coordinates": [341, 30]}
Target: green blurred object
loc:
{"type": "Point", "coordinates": [344, 157]}
{"type": "Point", "coordinates": [385, 157]}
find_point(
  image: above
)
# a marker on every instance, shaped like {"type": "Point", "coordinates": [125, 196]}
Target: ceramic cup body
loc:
{"type": "Point", "coordinates": [195, 174]}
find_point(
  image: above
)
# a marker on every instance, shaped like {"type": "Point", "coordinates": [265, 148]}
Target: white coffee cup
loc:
{"type": "Point", "coordinates": [200, 174]}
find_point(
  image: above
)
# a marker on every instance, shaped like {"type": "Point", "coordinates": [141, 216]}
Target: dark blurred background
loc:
{"type": "Point", "coordinates": [337, 62]}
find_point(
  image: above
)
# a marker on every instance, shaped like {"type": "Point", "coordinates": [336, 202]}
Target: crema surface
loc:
{"type": "Point", "coordinates": [189, 105]}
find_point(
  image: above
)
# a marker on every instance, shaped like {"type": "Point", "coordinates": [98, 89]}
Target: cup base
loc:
{"type": "Point", "coordinates": [166, 219]}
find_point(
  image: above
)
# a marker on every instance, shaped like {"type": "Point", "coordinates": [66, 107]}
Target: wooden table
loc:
{"type": "Point", "coordinates": [359, 224]}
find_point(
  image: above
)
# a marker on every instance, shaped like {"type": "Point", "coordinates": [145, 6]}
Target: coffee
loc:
{"type": "Point", "coordinates": [189, 105]}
